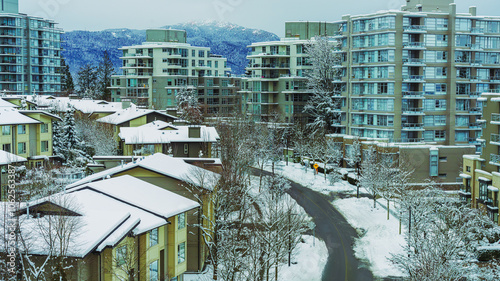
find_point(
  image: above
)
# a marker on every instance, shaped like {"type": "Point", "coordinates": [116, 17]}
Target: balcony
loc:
{"type": "Point", "coordinates": [414, 45]}
{"type": "Point", "coordinates": [477, 30]}
{"type": "Point", "coordinates": [477, 47]}
{"type": "Point", "coordinates": [468, 94]}
{"type": "Point", "coordinates": [495, 119]}
{"type": "Point", "coordinates": [475, 125]}
{"type": "Point", "coordinates": [413, 95]}
{"type": "Point", "coordinates": [495, 79]}
{"type": "Point", "coordinates": [417, 62]}
{"type": "Point", "coordinates": [495, 139]}
{"type": "Point", "coordinates": [495, 159]}
{"type": "Point", "coordinates": [413, 78]}
{"type": "Point", "coordinates": [413, 111]}
{"type": "Point", "coordinates": [476, 110]}
{"type": "Point", "coordinates": [415, 28]}
{"type": "Point", "coordinates": [412, 126]}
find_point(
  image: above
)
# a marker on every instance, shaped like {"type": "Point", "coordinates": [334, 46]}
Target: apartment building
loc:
{"type": "Point", "coordinates": [154, 72]}
{"type": "Point", "coordinates": [412, 75]}
{"type": "Point", "coordinates": [27, 133]}
{"type": "Point", "coordinates": [481, 173]}
{"type": "Point", "coordinates": [30, 52]}
{"type": "Point", "coordinates": [276, 85]}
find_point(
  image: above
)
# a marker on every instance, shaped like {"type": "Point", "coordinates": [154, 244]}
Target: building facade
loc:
{"type": "Point", "coordinates": [276, 85]}
{"type": "Point", "coordinates": [412, 75]}
{"type": "Point", "coordinates": [154, 72]}
{"type": "Point", "coordinates": [481, 173]}
{"type": "Point", "coordinates": [30, 53]}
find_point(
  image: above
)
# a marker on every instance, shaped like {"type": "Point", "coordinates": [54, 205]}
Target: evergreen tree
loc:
{"type": "Point", "coordinates": [72, 147]}
{"type": "Point", "coordinates": [66, 79]}
{"type": "Point", "coordinates": [88, 81]}
{"type": "Point", "coordinates": [105, 71]}
{"type": "Point", "coordinates": [57, 140]}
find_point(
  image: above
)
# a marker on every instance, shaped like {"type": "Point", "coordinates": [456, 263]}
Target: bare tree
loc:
{"type": "Point", "coordinates": [188, 105]}
{"type": "Point", "coordinates": [98, 136]}
{"type": "Point", "coordinates": [354, 157]}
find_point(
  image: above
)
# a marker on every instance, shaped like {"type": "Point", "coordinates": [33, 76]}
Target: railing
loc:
{"type": "Point", "coordinates": [475, 125]}
{"type": "Point", "coordinates": [477, 30]}
{"type": "Point", "coordinates": [495, 79]}
{"type": "Point", "coordinates": [475, 110]}
{"type": "Point", "coordinates": [413, 61]}
{"type": "Point", "coordinates": [495, 158]}
{"type": "Point", "coordinates": [414, 45]}
{"type": "Point", "coordinates": [413, 77]}
{"type": "Point", "coordinates": [476, 47]}
{"type": "Point", "coordinates": [410, 94]}
{"type": "Point", "coordinates": [495, 117]}
{"type": "Point", "coordinates": [495, 138]}
{"type": "Point", "coordinates": [415, 28]}
{"type": "Point", "coordinates": [413, 110]}
{"type": "Point", "coordinates": [413, 126]}
{"type": "Point", "coordinates": [465, 188]}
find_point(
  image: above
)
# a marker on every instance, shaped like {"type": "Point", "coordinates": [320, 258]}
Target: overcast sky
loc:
{"type": "Point", "coordinates": [269, 15]}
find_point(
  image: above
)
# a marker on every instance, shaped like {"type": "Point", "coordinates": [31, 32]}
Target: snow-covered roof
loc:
{"type": "Point", "coordinates": [128, 114]}
{"type": "Point", "coordinates": [8, 158]}
{"type": "Point", "coordinates": [153, 135]}
{"type": "Point", "coordinates": [4, 103]}
{"type": "Point", "coordinates": [160, 163]}
{"type": "Point", "coordinates": [53, 116]}
{"type": "Point", "coordinates": [11, 116]}
{"type": "Point", "coordinates": [159, 125]}
{"type": "Point", "coordinates": [483, 179]}
{"type": "Point", "coordinates": [87, 106]}
{"type": "Point", "coordinates": [109, 210]}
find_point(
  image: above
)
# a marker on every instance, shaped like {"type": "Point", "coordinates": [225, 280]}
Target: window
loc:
{"type": "Point", "coordinates": [153, 237]}
{"type": "Point", "coordinates": [181, 221]}
{"type": "Point", "coordinates": [181, 252]}
{"type": "Point", "coordinates": [6, 130]}
{"type": "Point", "coordinates": [467, 168]}
{"type": "Point", "coordinates": [121, 255]}
{"type": "Point", "coordinates": [45, 146]}
{"type": "Point", "coordinates": [153, 271]}
{"type": "Point", "coordinates": [201, 54]}
{"type": "Point", "coordinates": [44, 128]}
{"type": "Point", "coordinates": [21, 129]}
{"type": "Point", "coordinates": [434, 156]}
{"type": "Point", "coordinates": [6, 147]}
{"type": "Point", "coordinates": [483, 191]}
{"type": "Point", "coordinates": [21, 148]}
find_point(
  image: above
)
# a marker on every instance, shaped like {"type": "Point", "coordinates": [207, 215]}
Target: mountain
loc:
{"type": "Point", "coordinates": [228, 40]}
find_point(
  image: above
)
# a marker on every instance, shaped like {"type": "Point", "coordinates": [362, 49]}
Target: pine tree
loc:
{"type": "Point", "coordinates": [105, 71]}
{"type": "Point", "coordinates": [67, 83]}
{"type": "Point", "coordinates": [73, 149]}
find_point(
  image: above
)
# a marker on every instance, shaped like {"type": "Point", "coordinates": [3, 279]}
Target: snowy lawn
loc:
{"type": "Point", "coordinates": [381, 236]}
{"type": "Point", "coordinates": [308, 261]}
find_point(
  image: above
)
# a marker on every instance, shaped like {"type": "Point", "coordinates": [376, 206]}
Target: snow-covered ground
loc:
{"type": "Point", "coordinates": [307, 177]}
{"type": "Point", "coordinates": [309, 259]}
{"type": "Point", "coordinates": [381, 237]}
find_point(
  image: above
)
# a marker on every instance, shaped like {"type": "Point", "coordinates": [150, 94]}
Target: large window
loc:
{"type": "Point", "coordinates": [182, 220]}
{"type": "Point", "coordinates": [21, 148]}
{"type": "Point", "coordinates": [181, 252]}
{"type": "Point", "coordinates": [6, 130]}
{"type": "Point", "coordinates": [44, 128]}
{"type": "Point", "coordinates": [153, 237]}
{"type": "Point", "coordinates": [483, 190]}
{"type": "Point", "coordinates": [21, 129]}
{"type": "Point", "coordinates": [153, 271]}
{"type": "Point", "coordinates": [45, 146]}
{"type": "Point", "coordinates": [6, 147]}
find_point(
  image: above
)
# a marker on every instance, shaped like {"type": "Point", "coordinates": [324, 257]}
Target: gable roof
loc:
{"type": "Point", "coordinates": [155, 134]}
{"type": "Point", "coordinates": [9, 158]}
{"type": "Point", "coordinates": [11, 116]}
{"type": "Point", "coordinates": [129, 114]}
{"type": "Point", "coordinates": [52, 116]}
{"type": "Point", "coordinates": [159, 163]}
{"type": "Point", "coordinates": [5, 103]}
{"type": "Point", "coordinates": [109, 210]}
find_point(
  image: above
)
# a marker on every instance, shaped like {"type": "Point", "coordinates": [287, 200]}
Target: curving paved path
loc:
{"type": "Point", "coordinates": [338, 235]}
